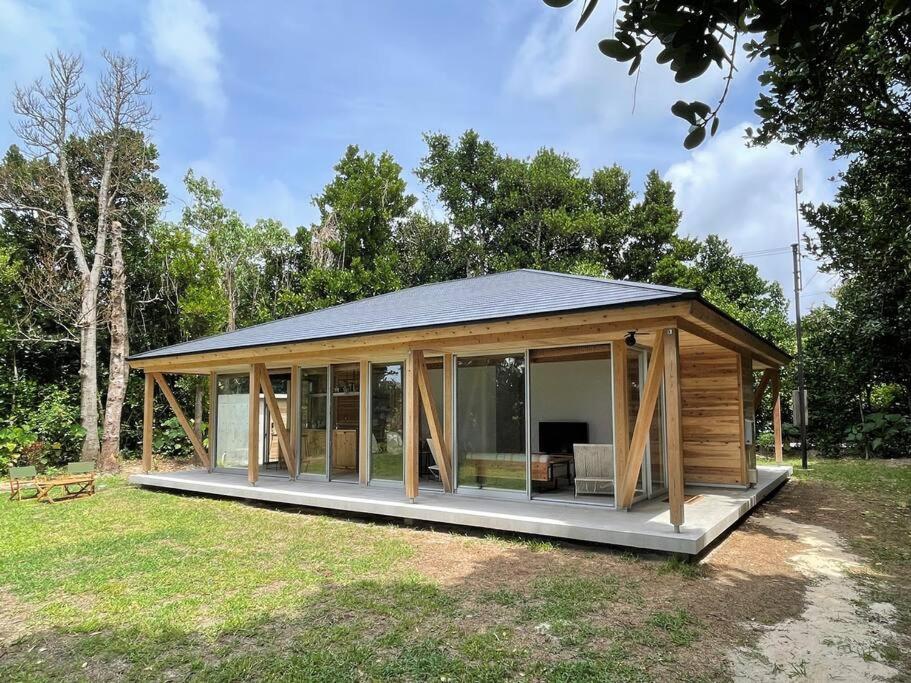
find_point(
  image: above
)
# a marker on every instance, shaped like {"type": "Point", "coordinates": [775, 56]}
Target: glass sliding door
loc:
{"type": "Point", "coordinates": [636, 381]}
{"type": "Point", "coordinates": [314, 410]}
{"type": "Point", "coordinates": [428, 472]}
{"type": "Point", "coordinates": [656, 453]}
{"type": "Point", "coordinates": [571, 424]}
{"type": "Point", "coordinates": [345, 419]}
{"type": "Point", "coordinates": [386, 422]}
{"type": "Point", "coordinates": [490, 422]}
{"type": "Point", "coordinates": [652, 478]}
{"type": "Point", "coordinates": [232, 421]}
{"type": "Point", "coordinates": [271, 460]}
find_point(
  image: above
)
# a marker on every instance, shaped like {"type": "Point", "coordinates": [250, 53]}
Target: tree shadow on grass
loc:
{"type": "Point", "coordinates": [462, 607]}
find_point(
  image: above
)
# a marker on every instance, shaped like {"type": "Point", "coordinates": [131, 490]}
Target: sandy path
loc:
{"type": "Point", "coordinates": [836, 637]}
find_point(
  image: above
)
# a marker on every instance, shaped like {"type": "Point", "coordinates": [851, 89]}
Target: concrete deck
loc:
{"type": "Point", "coordinates": [646, 526]}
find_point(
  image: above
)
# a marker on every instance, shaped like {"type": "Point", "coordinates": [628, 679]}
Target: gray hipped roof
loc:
{"type": "Point", "coordinates": [499, 296]}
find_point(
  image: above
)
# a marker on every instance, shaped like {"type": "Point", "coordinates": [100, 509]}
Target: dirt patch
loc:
{"type": "Point", "coordinates": [832, 639]}
{"type": "Point", "coordinates": [128, 467]}
{"type": "Point", "coordinates": [14, 617]}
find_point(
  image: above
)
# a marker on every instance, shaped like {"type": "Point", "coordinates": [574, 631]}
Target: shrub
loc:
{"type": "Point", "coordinates": [881, 434]}
{"type": "Point", "coordinates": [42, 430]}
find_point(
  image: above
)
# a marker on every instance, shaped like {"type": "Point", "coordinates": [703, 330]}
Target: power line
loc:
{"type": "Point", "coordinates": [764, 252]}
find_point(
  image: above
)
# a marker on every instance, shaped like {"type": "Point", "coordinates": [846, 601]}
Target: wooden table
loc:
{"type": "Point", "coordinates": [85, 482]}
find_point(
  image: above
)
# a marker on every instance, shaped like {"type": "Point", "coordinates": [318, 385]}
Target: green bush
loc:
{"type": "Point", "coordinates": [882, 435]}
{"type": "Point", "coordinates": [42, 430]}
{"type": "Point", "coordinates": [171, 442]}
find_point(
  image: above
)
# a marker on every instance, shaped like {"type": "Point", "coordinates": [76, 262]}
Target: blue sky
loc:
{"type": "Point", "coordinates": [264, 97]}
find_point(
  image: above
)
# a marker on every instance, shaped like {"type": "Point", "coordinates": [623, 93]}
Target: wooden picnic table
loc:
{"type": "Point", "coordinates": [67, 482]}
{"type": "Point", "coordinates": [78, 474]}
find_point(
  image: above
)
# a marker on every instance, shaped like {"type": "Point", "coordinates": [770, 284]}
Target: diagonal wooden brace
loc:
{"type": "Point", "coordinates": [284, 438]}
{"type": "Point", "coordinates": [181, 418]}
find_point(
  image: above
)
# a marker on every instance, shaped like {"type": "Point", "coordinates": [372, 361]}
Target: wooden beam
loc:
{"type": "Point", "coordinates": [592, 324]}
{"type": "Point", "coordinates": [448, 371]}
{"type": "Point", "coordinates": [673, 406]}
{"type": "Point", "coordinates": [294, 415]}
{"type": "Point", "coordinates": [148, 422]}
{"type": "Point", "coordinates": [776, 414]}
{"type": "Point", "coordinates": [254, 436]}
{"type": "Point", "coordinates": [761, 387]}
{"type": "Point", "coordinates": [433, 421]}
{"type": "Point", "coordinates": [213, 418]}
{"type": "Point", "coordinates": [748, 342]}
{"type": "Point", "coordinates": [284, 439]}
{"type": "Point", "coordinates": [363, 451]}
{"type": "Point", "coordinates": [648, 401]}
{"type": "Point", "coordinates": [412, 427]}
{"type": "Point", "coordinates": [619, 372]}
{"type": "Point", "coordinates": [181, 418]}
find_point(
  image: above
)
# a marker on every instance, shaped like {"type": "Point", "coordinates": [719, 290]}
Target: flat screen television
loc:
{"type": "Point", "coordinates": [559, 437]}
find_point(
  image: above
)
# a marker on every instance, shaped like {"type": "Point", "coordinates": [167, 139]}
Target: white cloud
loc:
{"type": "Point", "coordinates": [47, 28]}
{"type": "Point", "coordinates": [554, 61]}
{"type": "Point", "coordinates": [184, 41]}
{"type": "Point", "coordinates": [746, 195]}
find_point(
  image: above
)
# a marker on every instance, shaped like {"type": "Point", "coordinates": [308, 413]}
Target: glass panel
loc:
{"type": "Point", "coordinates": [490, 415]}
{"type": "Point", "coordinates": [656, 449]}
{"type": "Point", "coordinates": [428, 474]}
{"type": "Point", "coordinates": [271, 460]}
{"type": "Point", "coordinates": [571, 403]}
{"type": "Point", "coordinates": [386, 422]}
{"type": "Point", "coordinates": [314, 400]}
{"type": "Point", "coordinates": [635, 367]}
{"type": "Point", "coordinates": [346, 408]}
{"type": "Point", "coordinates": [232, 417]}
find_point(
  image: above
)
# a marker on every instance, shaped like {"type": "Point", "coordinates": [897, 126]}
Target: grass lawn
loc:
{"type": "Point", "coordinates": [141, 585]}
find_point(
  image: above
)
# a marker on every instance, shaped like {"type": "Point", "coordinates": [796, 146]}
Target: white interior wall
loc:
{"type": "Point", "coordinates": [572, 391]}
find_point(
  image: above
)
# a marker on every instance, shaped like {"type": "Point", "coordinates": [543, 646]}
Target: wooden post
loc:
{"type": "Point", "coordinates": [363, 450]}
{"type": "Point", "coordinates": [619, 370]}
{"type": "Point", "coordinates": [255, 434]}
{"type": "Point", "coordinates": [294, 415]}
{"type": "Point", "coordinates": [776, 413]}
{"type": "Point", "coordinates": [673, 410]}
{"type": "Point", "coordinates": [759, 392]}
{"type": "Point", "coordinates": [148, 422]}
{"type": "Point", "coordinates": [448, 402]}
{"type": "Point", "coordinates": [412, 427]}
{"type": "Point", "coordinates": [648, 401]}
{"type": "Point", "coordinates": [213, 418]}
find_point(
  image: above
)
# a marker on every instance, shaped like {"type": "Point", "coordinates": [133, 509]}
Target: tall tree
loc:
{"type": "Point", "coordinates": [50, 113]}
{"type": "Point", "coordinates": [360, 210]}
{"type": "Point", "coordinates": [864, 236]}
{"type": "Point", "coordinates": [466, 175]}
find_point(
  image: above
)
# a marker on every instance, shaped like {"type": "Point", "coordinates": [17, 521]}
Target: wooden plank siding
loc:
{"type": "Point", "coordinates": [712, 395]}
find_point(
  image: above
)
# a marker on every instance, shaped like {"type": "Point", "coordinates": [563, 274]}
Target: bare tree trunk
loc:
{"type": "Point", "coordinates": [118, 371]}
{"type": "Point", "coordinates": [232, 300]}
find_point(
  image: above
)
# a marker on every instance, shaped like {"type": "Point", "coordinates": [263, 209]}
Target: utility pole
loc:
{"type": "Point", "coordinates": [801, 406]}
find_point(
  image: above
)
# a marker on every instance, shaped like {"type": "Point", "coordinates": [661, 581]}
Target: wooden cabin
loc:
{"type": "Point", "coordinates": [528, 401]}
